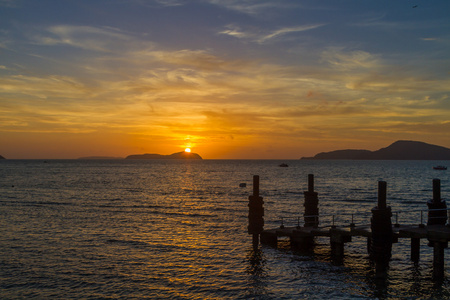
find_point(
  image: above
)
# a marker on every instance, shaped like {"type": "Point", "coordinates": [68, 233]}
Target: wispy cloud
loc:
{"type": "Point", "coordinates": [350, 60]}
{"type": "Point", "coordinates": [170, 2]}
{"type": "Point", "coordinates": [104, 39]}
{"type": "Point", "coordinates": [90, 78]}
{"type": "Point", "coordinates": [288, 30]}
{"type": "Point", "coordinates": [252, 7]}
{"type": "Point", "coordinates": [263, 37]}
{"type": "Point", "coordinates": [163, 3]}
{"type": "Point", "coordinates": [10, 3]}
{"type": "Point", "coordinates": [42, 87]}
{"type": "Point", "coordinates": [235, 31]}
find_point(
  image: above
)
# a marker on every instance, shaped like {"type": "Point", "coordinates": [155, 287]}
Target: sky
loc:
{"type": "Point", "coordinates": [230, 79]}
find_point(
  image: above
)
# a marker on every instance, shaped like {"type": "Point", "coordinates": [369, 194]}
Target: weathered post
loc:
{"type": "Point", "coordinates": [415, 249]}
{"type": "Point", "coordinates": [437, 217]}
{"type": "Point", "coordinates": [338, 238]}
{"type": "Point", "coordinates": [438, 259]}
{"type": "Point", "coordinates": [438, 240]}
{"type": "Point", "coordinates": [382, 235]}
{"type": "Point", "coordinates": [302, 239]}
{"type": "Point", "coordinates": [311, 204]}
{"type": "Point", "coordinates": [255, 213]}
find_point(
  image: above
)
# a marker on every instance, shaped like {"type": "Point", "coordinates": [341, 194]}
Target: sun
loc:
{"type": "Point", "coordinates": [187, 150]}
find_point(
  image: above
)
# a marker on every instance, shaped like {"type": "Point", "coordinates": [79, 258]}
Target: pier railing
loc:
{"type": "Point", "coordinates": [376, 225]}
{"type": "Point", "coordinates": [359, 219]}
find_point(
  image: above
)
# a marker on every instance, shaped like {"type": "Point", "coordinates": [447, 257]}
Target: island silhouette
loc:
{"type": "Point", "coordinates": [178, 155]}
{"type": "Point", "coordinates": [399, 150]}
{"type": "Point", "coordinates": [100, 157]}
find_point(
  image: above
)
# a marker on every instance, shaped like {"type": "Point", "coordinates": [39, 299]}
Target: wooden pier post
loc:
{"type": "Point", "coordinates": [338, 238]}
{"type": "Point", "coordinates": [311, 204]}
{"type": "Point", "coordinates": [437, 217]}
{"type": "Point", "coordinates": [382, 235]}
{"type": "Point", "coordinates": [435, 240]}
{"type": "Point", "coordinates": [255, 213]}
{"type": "Point", "coordinates": [438, 239]}
{"type": "Point", "coordinates": [415, 249]}
{"type": "Point", "coordinates": [302, 239]}
{"type": "Point", "coordinates": [438, 260]}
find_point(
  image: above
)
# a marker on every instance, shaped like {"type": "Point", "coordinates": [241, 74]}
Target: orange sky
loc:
{"type": "Point", "coordinates": [273, 80]}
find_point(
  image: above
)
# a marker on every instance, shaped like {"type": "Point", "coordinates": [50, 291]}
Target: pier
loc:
{"type": "Point", "coordinates": [380, 233]}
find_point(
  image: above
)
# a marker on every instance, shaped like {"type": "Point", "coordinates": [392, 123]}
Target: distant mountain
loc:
{"type": "Point", "coordinates": [1, 157]}
{"type": "Point", "coordinates": [100, 157]}
{"type": "Point", "coordinates": [400, 150]}
{"type": "Point", "coordinates": [178, 155]}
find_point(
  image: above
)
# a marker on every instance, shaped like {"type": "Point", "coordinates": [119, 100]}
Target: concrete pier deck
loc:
{"type": "Point", "coordinates": [435, 232]}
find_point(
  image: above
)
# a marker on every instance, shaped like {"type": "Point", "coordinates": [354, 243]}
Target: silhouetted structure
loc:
{"type": "Point", "coordinates": [437, 215]}
{"type": "Point", "coordinates": [178, 155]}
{"type": "Point", "coordinates": [381, 234]}
{"type": "Point", "coordinates": [311, 204]}
{"type": "Point", "coordinates": [255, 213]}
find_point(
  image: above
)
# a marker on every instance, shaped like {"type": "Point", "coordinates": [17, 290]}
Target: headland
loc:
{"type": "Point", "coordinates": [399, 150]}
{"type": "Point", "coordinates": [178, 155]}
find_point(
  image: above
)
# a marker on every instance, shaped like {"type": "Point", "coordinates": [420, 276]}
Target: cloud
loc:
{"type": "Point", "coordinates": [372, 75]}
{"type": "Point", "coordinates": [350, 60]}
{"type": "Point", "coordinates": [104, 39]}
{"type": "Point", "coordinates": [288, 30]}
{"type": "Point", "coordinates": [397, 26]}
{"type": "Point", "coordinates": [248, 7]}
{"type": "Point", "coordinates": [170, 2]}
{"type": "Point", "coordinates": [163, 3]}
{"type": "Point", "coordinates": [235, 31]}
{"type": "Point", "coordinates": [42, 87]}
{"type": "Point", "coordinates": [119, 82]}
{"type": "Point", "coordinates": [9, 3]}
{"type": "Point", "coordinates": [422, 128]}
{"type": "Point", "coordinates": [252, 7]}
{"type": "Point", "coordinates": [256, 36]}
{"type": "Point", "coordinates": [199, 59]}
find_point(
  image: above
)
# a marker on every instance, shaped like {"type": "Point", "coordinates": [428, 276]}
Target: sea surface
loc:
{"type": "Point", "coordinates": [174, 229]}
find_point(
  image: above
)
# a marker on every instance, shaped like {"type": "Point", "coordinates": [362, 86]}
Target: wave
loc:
{"type": "Point", "coordinates": [162, 248]}
{"type": "Point", "coordinates": [35, 203]}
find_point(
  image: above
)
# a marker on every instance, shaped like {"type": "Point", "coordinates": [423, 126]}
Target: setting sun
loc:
{"type": "Point", "coordinates": [187, 150]}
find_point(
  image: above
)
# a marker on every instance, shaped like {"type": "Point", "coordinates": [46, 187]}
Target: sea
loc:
{"type": "Point", "coordinates": [177, 229]}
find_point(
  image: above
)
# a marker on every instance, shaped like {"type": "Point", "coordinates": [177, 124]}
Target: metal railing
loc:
{"type": "Point", "coordinates": [359, 219]}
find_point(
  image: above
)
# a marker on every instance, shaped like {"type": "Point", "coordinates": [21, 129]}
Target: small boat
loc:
{"type": "Point", "coordinates": [283, 165]}
{"type": "Point", "coordinates": [440, 168]}
{"type": "Point", "coordinates": [243, 184]}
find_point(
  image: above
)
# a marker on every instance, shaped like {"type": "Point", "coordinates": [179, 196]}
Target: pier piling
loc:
{"type": "Point", "coordinates": [437, 214]}
{"type": "Point", "coordinates": [303, 240]}
{"type": "Point", "coordinates": [311, 204]}
{"type": "Point", "coordinates": [438, 259]}
{"type": "Point", "coordinates": [255, 213]}
{"type": "Point", "coordinates": [415, 249]}
{"type": "Point", "coordinates": [338, 238]}
{"type": "Point", "coordinates": [382, 234]}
